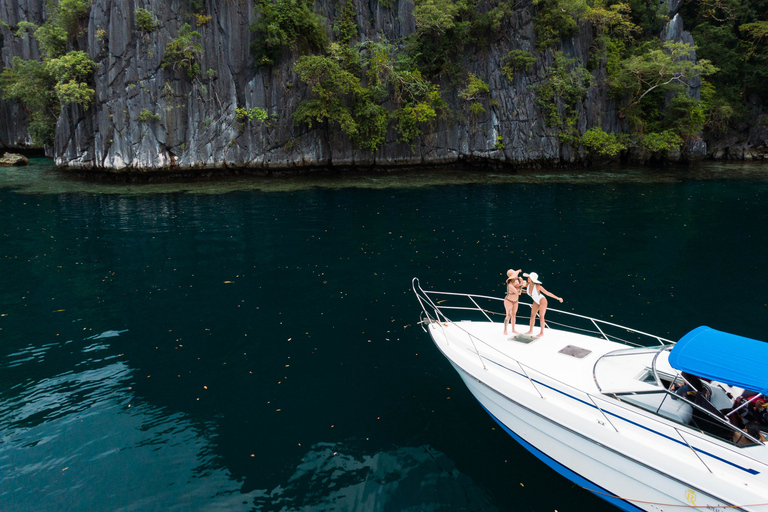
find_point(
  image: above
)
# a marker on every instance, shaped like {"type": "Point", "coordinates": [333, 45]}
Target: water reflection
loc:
{"type": "Point", "coordinates": [81, 440]}
{"type": "Point", "coordinates": [342, 478]}
{"type": "Point", "coordinates": [42, 177]}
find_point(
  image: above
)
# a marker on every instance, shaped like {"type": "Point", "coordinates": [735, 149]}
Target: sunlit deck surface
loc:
{"type": "Point", "coordinates": [562, 353]}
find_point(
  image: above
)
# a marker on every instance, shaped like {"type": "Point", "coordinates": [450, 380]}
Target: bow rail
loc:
{"type": "Point", "coordinates": [435, 304]}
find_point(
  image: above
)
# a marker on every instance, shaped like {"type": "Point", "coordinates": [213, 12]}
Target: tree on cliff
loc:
{"type": "Point", "coordinates": [660, 67]}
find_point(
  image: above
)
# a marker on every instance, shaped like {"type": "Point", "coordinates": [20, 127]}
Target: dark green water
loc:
{"type": "Point", "coordinates": [252, 344]}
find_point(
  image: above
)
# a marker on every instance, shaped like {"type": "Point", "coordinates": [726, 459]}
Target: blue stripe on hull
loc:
{"type": "Point", "coordinates": [567, 473]}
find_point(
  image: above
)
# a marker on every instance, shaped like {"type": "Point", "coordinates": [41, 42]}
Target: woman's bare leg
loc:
{"type": "Point", "coordinates": [514, 316]}
{"type": "Point", "coordinates": [508, 307]}
{"type": "Point", "coordinates": [542, 312]}
{"type": "Point", "coordinates": [534, 310]}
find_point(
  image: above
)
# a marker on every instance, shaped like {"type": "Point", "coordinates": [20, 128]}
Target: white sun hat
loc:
{"type": "Point", "coordinates": [533, 276]}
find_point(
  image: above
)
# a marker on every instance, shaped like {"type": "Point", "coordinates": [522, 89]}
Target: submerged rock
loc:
{"type": "Point", "coordinates": [13, 159]}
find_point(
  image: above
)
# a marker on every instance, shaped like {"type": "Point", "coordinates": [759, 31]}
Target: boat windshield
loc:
{"type": "Point", "coordinates": [644, 378]}
{"type": "Point", "coordinates": [631, 370]}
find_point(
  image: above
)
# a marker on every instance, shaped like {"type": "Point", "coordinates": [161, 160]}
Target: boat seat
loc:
{"type": "Point", "coordinates": [708, 424]}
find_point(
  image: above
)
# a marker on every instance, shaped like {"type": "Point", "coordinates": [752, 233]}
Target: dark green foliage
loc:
{"type": "Point", "coordinates": [718, 110]}
{"type": "Point", "coordinates": [684, 116]}
{"type": "Point", "coordinates": [183, 52]}
{"type": "Point", "coordinates": [732, 34]}
{"type": "Point", "coordinates": [515, 61]}
{"type": "Point", "coordinates": [661, 141]}
{"type": "Point", "coordinates": [410, 118]}
{"type": "Point", "coordinates": [286, 24]}
{"type": "Point", "coordinates": [24, 27]}
{"type": "Point", "coordinates": [596, 140]}
{"type": "Point", "coordinates": [146, 116]}
{"type": "Point", "coordinates": [340, 99]}
{"type": "Point", "coordinates": [562, 91]}
{"type": "Point", "coordinates": [350, 85]}
{"type": "Point", "coordinates": [29, 82]}
{"type": "Point", "coordinates": [552, 23]}
{"type": "Point", "coordinates": [640, 78]}
{"type": "Point", "coordinates": [196, 5]}
{"type": "Point", "coordinates": [649, 15]}
{"type": "Point", "coordinates": [345, 26]}
{"type": "Point", "coordinates": [145, 21]}
{"type": "Point", "coordinates": [474, 89]}
{"type": "Point", "coordinates": [447, 29]}
{"type": "Point", "coordinates": [70, 14]}
{"type": "Point", "coordinates": [52, 40]}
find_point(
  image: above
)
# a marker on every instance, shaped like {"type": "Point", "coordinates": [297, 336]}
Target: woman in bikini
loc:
{"type": "Point", "coordinates": [537, 293]}
{"type": "Point", "coordinates": [514, 287]}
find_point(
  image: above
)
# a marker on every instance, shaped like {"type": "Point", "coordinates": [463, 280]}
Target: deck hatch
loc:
{"type": "Point", "coordinates": [523, 338]}
{"type": "Point", "coordinates": [577, 352]}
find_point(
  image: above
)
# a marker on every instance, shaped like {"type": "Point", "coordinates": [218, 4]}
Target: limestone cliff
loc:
{"type": "Point", "coordinates": [192, 123]}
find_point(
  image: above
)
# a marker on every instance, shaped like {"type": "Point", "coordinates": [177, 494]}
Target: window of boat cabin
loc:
{"type": "Point", "coordinates": [628, 376]}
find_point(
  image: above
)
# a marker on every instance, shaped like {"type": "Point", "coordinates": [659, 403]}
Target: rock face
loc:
{"type": "Point", "coordinates": [12, 159]}
{"type": "Point", "coordinates": [13, 118]}
{"type": "Point", "coordinates": [695, 148]}
{"type": "Point", "coordinates": [747, 141]}
{"type": "Point", "coordinates": [190, 124]}
{"type": "Point", "coordinates": [197, 128]}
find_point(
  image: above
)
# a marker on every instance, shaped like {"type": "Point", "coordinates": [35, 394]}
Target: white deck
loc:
{"type": "Point", "coordinates": [544, 352]}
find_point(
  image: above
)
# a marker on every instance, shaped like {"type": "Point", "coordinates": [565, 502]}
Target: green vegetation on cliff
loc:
{"type": "Point", "coordinates": [732, 34]}
{"type": "Point", "coordinates": [61, 78]}
{"type": "Point", "coordinates": [368, 90]}
{"type": "Point", "coordinates": [349, 86]}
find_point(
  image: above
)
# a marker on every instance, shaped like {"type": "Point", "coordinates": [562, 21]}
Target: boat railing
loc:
{"type": "Point", "coordinates": [618, 414]}
{"type": "Point", "coordinates": [436, 305]}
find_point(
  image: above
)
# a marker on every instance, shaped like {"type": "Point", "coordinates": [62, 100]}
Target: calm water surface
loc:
{"type": "Point", "coordinates": [252, 344]}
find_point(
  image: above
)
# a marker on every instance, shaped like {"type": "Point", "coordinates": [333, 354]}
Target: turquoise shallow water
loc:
{"type": "Point", "coordinates": [251, 344]}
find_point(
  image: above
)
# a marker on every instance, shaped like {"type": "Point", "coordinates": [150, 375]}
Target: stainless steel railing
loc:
{"type": "Point", "coordinates": [432, 305]}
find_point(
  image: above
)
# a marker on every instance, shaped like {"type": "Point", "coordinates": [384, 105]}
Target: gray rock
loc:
{"type": "Point", "coordinates": [694, 149]}
{"type": "Point", "coordinates": [13, 160]}
{"type": "Point", "coordinates": [673, 31]}
{"type": "Point", "coordinates": [672, 6]}
{"type": "Point", "coordinates": [197, 128]}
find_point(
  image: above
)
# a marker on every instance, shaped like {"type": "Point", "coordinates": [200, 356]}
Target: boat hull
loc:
{"type": "Point", "coordinates": [613, 476]}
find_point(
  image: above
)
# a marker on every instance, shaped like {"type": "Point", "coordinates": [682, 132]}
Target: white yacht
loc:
{"type": "Point", "coordinates": [641, 421]}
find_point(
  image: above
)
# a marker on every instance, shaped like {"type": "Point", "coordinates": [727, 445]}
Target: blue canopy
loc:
{"type": "Point", "coordinates": [726, 358]}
